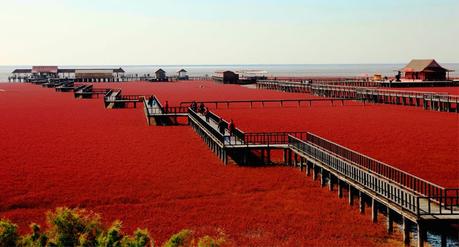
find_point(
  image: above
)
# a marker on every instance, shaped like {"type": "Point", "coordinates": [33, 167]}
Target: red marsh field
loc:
{"type": "Point", "coordinates": [59, 151]}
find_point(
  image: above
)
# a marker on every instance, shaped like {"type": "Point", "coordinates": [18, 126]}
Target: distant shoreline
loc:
{"type": "Point", "coordinates": [274, 70]}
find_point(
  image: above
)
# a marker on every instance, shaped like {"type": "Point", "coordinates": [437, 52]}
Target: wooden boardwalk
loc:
{"type": "Point", "coordinates": [266, 102]}
{"type": "Point", "coordinates": [427, 100]}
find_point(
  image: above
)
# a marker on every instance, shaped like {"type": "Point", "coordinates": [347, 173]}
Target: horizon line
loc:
{"type": "Point", "coordinates": [241, 64]}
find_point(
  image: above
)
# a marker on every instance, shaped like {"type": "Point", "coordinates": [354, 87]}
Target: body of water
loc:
{"type": "Point", "coordinates": [344, 70]}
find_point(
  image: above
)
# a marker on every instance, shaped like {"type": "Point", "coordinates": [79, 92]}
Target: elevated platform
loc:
{"type": "Point", "coordinates": [427, 100]}
{"type": "Point", "coordinates": [89, 92]}
{"type": "Point", "coordinates": [406, 84]}
{"type": "Point", "coordinates": [263, 103]}
{"type": "Point", "coordinates": [156, 114]}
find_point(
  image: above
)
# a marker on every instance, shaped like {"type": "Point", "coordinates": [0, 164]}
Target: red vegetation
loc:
{"type": "Point", "coordinates": [59, 151]}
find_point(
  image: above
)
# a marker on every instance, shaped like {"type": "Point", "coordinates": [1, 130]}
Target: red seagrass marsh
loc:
{"type": "Point", "coordinates": [60, 151]}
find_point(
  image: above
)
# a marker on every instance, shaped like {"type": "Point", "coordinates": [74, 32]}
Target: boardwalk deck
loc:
{"type": "Point", "coordinates": [432, 100]}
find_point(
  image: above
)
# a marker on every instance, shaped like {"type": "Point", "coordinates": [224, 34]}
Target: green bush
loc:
{"type": "Point", "coordinates": [36, 239]}
{"type": "Point", "coordinates": [73, 227]}
{"type": "Point", "coordinates": [81, 228]}
{"type": "Point", "coordinates": [8, 233]}
{"type": "Point", "coordinates": [141, 238]}
{"type": "Point", "coordinates": [182, 239]}
{"type": "Point", "coordinates": [113, 236]}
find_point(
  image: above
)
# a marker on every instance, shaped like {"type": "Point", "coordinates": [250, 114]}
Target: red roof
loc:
{"type": "Point", "coordinates": [44, 69]}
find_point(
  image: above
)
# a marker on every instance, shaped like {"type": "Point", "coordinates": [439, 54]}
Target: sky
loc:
{"type": "Point", "coordinates": [144, 32]}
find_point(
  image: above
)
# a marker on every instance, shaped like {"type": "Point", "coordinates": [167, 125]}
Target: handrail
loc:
{"type": "Point", "coordinates": [236, 132]}
{"type": "Point", "coordinates": [408, 200]}
{"type": "Point", "coordinates": [414, 183]}
{"type": "Point", "coordinates": [194, 116]}
{"type": "Point", "coordinates": [382, 187]}
{"type": "Point", "coordinates": [272, 138]}
{"type": "Point", "coordinates": [281, 101]}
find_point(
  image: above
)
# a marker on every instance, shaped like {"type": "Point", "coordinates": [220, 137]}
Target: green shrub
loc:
{"type": "Point", "coordinates": [36, 239]}
{"type": "Point", "coordinates": [141, 238]}
{"type": "Point", "coordinates": [182, 239]}
{"type": "Point", "coordinates": [73, 227]}
{"type": "Point", "coordinates": [81, 228]}
{"type": "Point", "coordinates": [113, 236]}
{"type": "Point", "coordinates": [8, 233]}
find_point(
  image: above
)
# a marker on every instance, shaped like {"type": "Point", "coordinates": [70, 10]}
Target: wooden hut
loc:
{"type": "Point", "coordinates": [182, 74]}
{"type": "Point", "coordinates": [425, 70]}
{"type": "Point", "coordinates": [94, 75]}
{"type": "Point", "coordinates": [44, 71]}
{"type": "Point", "coordinates": [226, 77]}
{"type": "Point", "coordinates": [161, 75]}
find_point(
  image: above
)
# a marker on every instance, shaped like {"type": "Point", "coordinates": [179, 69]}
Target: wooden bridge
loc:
{"type": "Point", "coordinates": [386, 189]}
{"type": "Point", "coordinates": [265, 102]}
{"type": "Point", "coordinates": [157, 114]}
{"type": "Point", "coordinates": [427, 100]}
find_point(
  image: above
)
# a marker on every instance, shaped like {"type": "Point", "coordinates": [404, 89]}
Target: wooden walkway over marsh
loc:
{"type": "Point", "coordinates": [427, 100]}
{"type": "Point", "coordinates": [266, 102]}
{"type": "Point", "coordinates": [379, 186]}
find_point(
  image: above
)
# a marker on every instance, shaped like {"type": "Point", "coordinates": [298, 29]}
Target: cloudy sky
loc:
{"type": "Point", "coordinates": [106, 32]}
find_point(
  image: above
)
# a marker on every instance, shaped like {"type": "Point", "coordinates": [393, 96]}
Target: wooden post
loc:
{"type": "Point", "coordinates": [351, 201]}
{"type": "Point", "coordinates": [330, 181]}
{"type": "Point", "coordinates": [322, 177]}
{"type": "Point", "coordinates": [268, 156]}
{"type": "Point", "coordinates": [340, 188]}
{"type": "Point", "coordinates": [308, 168]}
{"type": "Point", "coordinates": [289, 157]}
{"type": "Point", "coordinates": [225, 157]}
{"type": "Point", "coordinates": [390, 221]}
{"type": "Point", "coordinates": [406, 231]}
{"type": "Point", "coordinates": [244, 158]}
{"type": "Point", "coordinates": [374, 211]}
{"type": "Point", "coordinates": [314, 172]}
{"type": "Point", "coordinates": [443, 241]}
{"type": "Point", "coordinates": [421, 234]}
{"type": "Point", "coordinates": [361, 203]}
{"type": "Point", "coordinates": [285, 156]}
{"type": "Point", "coordinates": [262, 155]}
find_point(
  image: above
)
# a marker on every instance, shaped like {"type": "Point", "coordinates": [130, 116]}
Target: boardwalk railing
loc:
{"type": "Point", "coordinates": [237, 132]}
{"type": "Point", "coordinates": [154, 107]}
{"type": "Point", "coordinates": [282, 102]}
{"type": "Point", "coordinates": [402, 197]}
{"type": "Point", "coordinates": [407, 180]}
{"type": "Point", "coordinates": [214, 132]}
{"type": "Point", "coordinates": [272, 138]}
{"type": "Point", "coordinates": [382, 187]}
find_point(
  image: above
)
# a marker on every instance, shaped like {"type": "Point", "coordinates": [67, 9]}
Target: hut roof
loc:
{"type": "Point", "coordinates": [22, 71]}
{"type": "Point", "coordinates": [94, 71]}
{"type": "Point", "coordinates": [160, 71]}
{"type": "Point", "coordinates": [119, 70]}
{"type": "Point", "coordinates": [66, 70]}
{"type": "Point", "coordinates": [418, 65]}
{"type": "Point", "coordinates": [182, 70]}
{"type": "Point", "coordinates": [44, 69]}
